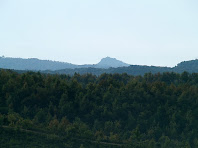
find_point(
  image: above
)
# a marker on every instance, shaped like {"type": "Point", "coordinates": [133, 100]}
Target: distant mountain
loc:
{"type": "Point", "coordinates": [110, 62]}
{"type": "Point", "coordinates": [189, 66]}
{"type": "Point", "coordinates": [33, 64]}
{"type": "Point", "coordinates": [40, 65]}
{"type": "Point", "coordinates": [106, 65]}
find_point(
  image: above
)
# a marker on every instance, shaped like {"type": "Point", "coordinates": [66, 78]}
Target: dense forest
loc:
{"type": "Point", "coordinates": [110, 110]}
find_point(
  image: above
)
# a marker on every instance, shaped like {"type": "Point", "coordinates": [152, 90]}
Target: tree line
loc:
{"type": "Point", "coordinates": [154, 110]}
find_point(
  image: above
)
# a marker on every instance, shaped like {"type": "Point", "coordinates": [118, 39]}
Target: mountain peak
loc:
{"type": "Point", "coordinates": [111, 62]}
{"type": "Point", "coordinates": [108, 59]}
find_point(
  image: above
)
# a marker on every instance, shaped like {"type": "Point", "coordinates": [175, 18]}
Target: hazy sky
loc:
{"type": "Point", "coordinates": [145, 32]}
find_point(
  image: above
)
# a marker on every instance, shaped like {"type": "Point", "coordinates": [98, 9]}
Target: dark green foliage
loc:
{"type": "Point", "coordinates": [15, 138]}
{"type": "Point", "coordinates": [111, 110]}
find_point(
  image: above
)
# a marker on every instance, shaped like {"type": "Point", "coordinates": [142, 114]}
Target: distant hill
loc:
{"type": "Point", "coordinates": [40, 65]}
{"type": "Point", "coordinates": [189, 66]}
{"type": "Point", "coordinates": [106, 65]}
{"type": "Point", "coordinates": [110, 62]}
{"type": "Point", "coordinates": [131, 70]}
{"type": "Point", "coordinates": [33, 64]}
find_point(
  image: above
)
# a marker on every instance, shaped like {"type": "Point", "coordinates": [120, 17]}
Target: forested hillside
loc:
{"type": "Point", "coordinates": [130, 70]}
{"type": "Point", "coordinates": [111, 110]}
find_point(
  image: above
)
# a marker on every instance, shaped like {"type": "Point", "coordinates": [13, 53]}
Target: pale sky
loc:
{"type": "Point", "coordinates": [143, 32]}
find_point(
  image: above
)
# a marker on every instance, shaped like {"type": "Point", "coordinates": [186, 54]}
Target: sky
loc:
{"type": "Point", "coordinates": [142, 32]}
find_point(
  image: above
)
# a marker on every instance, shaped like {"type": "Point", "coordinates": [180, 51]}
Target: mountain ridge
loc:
{"type": "Point", "coordinates": [37, 64]}
{"type": "Point", "coordinates": [106, 65]}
